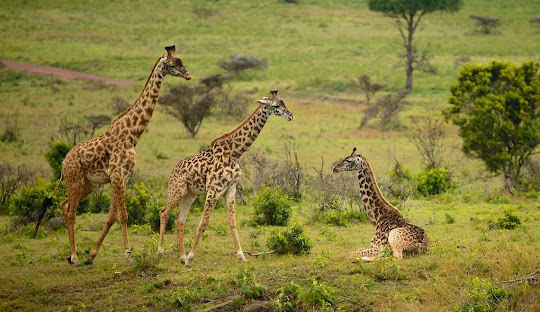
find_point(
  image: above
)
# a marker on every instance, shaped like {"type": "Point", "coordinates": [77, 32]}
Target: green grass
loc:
{"type": "Point", "coordinates": [39, 275]}
{"type": "Point", "coordinates": [314, 50]}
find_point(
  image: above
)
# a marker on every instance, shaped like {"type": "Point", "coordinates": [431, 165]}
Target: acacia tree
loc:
{"type": "Point", "coordinates": [407, 15]}
{"type": "Point", "coordinates": [497, 108]}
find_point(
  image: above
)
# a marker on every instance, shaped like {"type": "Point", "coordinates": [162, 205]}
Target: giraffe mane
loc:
{"type": "Point", "coordinates": [243, 123]}
{"type": "Point", "coordinates": [376, 186]}
{"type": "Point", "coordinates": [147, 81]}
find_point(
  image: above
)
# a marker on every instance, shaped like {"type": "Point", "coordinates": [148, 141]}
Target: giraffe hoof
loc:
{"type": "Point", "coordinates": [68, 258]}
{"type": "Point", "coordinates": [89, 262]}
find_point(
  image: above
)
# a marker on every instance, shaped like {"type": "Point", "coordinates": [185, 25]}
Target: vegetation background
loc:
{"type": "Point", "coordinates": [315, 52]}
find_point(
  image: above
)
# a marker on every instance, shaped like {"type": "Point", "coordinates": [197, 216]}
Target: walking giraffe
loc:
{"type": "Point", "coordinates": [390, 226]}
{"type": "Point", "coordinates": [214, 171]}
{"type": "Point", "coordinates": [110, 157]}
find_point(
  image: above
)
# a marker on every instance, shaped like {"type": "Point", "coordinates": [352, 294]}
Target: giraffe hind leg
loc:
{"type": "Point", "coordinates": [176, 192]}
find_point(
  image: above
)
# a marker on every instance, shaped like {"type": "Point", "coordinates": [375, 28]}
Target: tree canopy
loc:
{"type": "Point", "coordinates": [401, 7]}
{"type": "Point", "coordinates": [497, 108]}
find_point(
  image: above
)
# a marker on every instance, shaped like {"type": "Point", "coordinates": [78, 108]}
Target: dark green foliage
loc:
{"type": "Point", "coordinates": [497, 108]}
{"type": "Point", "coordinates": [507, 221]}
{"type": "Point", "coordinates": [98, 201]}
{"type": "Point", "coordinates": [449, 218]}
{"type": "Point", "coordinates": [27, 203]}
{"type": "Point", "coordinates": [138, 201]}
{"type": "Point", "coordinates": [251, 289]}
{"type": "Point", "coordinates": [398, 7]}
{"type": "Point", "coordinates": [485, 296]}
{"type": "Point", "coordinates": [317, 294]}
{"type": "Point", "coordinates": [55, 155]}
{"type": "Point", "coordinates": [432, 181]}
{"type": "Point", "coordinates": [11, 179]}
{"type": "Point", "coordinates": [272, 207]}
{"type": "Point", "coordinates": [153, 218]}
{"type": "Point", "coordinates": [290, 241]}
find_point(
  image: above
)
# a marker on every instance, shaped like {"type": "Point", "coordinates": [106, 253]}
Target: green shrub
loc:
{"type": "Point", "coordinates": [27, 203]}
{"type": "Point", "coordinates": [449, 218]}
{"type": "Point", "coordinates": [290, 241]}
{"type": "Point", "coordinates": [507, 221]}
{"type": "Point", "coordinates": [498, 199]}
{"type": "Point", "coordinates": [153, 218]}
{"type": "Point", "coordinates": [138, 200]}
{"type": "Point", "coordinates": [96, 202]}
{"type": "Point", "coordinates": [272, 207]}
{"type": "Point", "coordinates": [286, 297]}
{"type": "Point", "coordinates": [485, 296]}
{"type": "Point", "coordinates": [251, 289]}
{"type": "Point", "coordinates": [316, 294]}
{"type": "Point", "coordinates": [432, 181]}
{"type": "Point", "coordinates": [55, 155]}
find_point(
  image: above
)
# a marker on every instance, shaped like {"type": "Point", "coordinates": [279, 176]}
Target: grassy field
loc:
{"type": "Point", "coordinates": [314, 50]}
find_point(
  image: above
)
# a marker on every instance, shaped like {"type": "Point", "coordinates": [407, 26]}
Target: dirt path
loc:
{"type": "Point", "coordinates": [62, 73]}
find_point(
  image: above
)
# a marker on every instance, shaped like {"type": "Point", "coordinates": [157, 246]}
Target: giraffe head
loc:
{"type": "Point", "coordinates": [172, 64]}
{"type": "Point", "coordinates": [276, 106]}
{"type": "Point", "coordinates": [352, 162]}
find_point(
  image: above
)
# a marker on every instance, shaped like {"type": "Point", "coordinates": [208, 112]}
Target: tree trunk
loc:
{"type": "Point", "coordinates": [508, 185]}
{"type": "Point", "coordinates": [409, 68]}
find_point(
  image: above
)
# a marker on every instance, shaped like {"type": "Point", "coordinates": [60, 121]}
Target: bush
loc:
{"type": "Point", "coordinates": [55, 155]}
{"type": "Point", "coordinates": [317, 294]}
{"type": "Point", "coordinates": [251, 289]}
{"type": "Point", "coordinates": [190, 104]}
{"type": "Point", "coordinates": [485, 296]}
{"type": "Point", "coordinates": [290, 241]}
{"type": "Point", "coordinates": [11, 132]}
{"type": "Point", "coordinates": [26, 205]}
{"type": "Point", "coordinates": [11, 179]}
{"type": "Point", "coordinates": [432, 181]}
{"type": "Point", "coordinates": [153, 218]}
{"type": "Point", "coordinates": [239, 63]}
{"type": "Point", "coordinates": [98, 201]}
{"type": "Point", "coordinates": [119, 105]}
{"type": "Point", "coordinates": [507, 221]}
{"type": "Point", "coordinates": [138, 201]}
{"type": "Point", "coordinates": [272, 207]}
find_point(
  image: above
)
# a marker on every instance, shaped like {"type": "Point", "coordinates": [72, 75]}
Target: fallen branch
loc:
{"type": "Point", "coordinates": [155, 240]}
{"type": "Point", "coordinates": [260, 253]}
{"type": "Point", "coordinates": [532, 279]}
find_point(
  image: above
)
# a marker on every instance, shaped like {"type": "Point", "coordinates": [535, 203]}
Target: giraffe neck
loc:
{"type": "Point", "coordinates": [135, 119]}
{"type": "Point", "coordinates": [376, 206]}
{"type": "Point", "coordinates": [237, 141]}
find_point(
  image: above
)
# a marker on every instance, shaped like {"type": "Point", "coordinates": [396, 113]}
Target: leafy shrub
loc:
{"type": "Point", "coordinates": [138, 200]}
{"type": "Point", "coordinates": [498, 199]}
{"type": "Point", "coordinates": [27, 203]}
{"type": "Point", "coordinates": [251, 289]}
{"type": "Point", "coordinates": [290, 241]}
{"type": "Point", "coordinates": [272, 207]}
{"type": "Point", "coordinates": [317, 294]}
{"type": "Point", "coordinates": [119, 105]}
{"type": "Point", "coordinates": [153, 218]}
{"type": "Point", "coordinates": [432, 181]}
{"type": "Point", "coordinates": [11, 179]}
{"type": "Point", "coordinates": [11, 132]}
{"type": "Point", "coordinates": [239, 63]}
{"type": "Point", "coordinates": [55, 155]}
{"type": "Point", "coordinates": [190, 104]}
{"type": "Point", "coordinates": [98, 201]}
{"type": "Point", "coordinates": [485, 296]}
{"type": "Point", "coordinates": [449, 218]}
{"type": "Point", "coordinates": [507, 221]}
{"type": "Point", "coordinates": [286, 297]}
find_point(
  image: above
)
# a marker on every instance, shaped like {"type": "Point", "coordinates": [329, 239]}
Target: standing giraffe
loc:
{"type": "Point", "coordinates": [390, 226]}
{"type": "Point", "coordinates": [214, 171]}
{"type": "Point", "coordinates": [110, 157]}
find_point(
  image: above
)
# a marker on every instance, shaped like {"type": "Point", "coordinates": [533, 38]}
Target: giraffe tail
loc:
{"type": "Point", "coordinates": [46, 203]}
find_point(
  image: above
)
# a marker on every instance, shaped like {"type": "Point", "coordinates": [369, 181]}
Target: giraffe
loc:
{"type": "Point", "coordinates": [110, 157]}
{"type": "Point", "coordinates": [215, 172]}
{"type": "Point", "coordinates": [390, 226]}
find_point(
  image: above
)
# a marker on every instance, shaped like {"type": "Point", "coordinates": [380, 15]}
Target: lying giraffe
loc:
{"type": "Point", "coordinates": [110, 157]}
{"type": "Point", "coordinates": [215, 172]}
{"type": "Point", "coordinates": [390, 226]}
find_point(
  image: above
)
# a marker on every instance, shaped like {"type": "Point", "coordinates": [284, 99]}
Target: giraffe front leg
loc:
{"type": "Point", "coordinates": [211, 199]}
{"type": "Point", "coordinates": [229, 202]}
